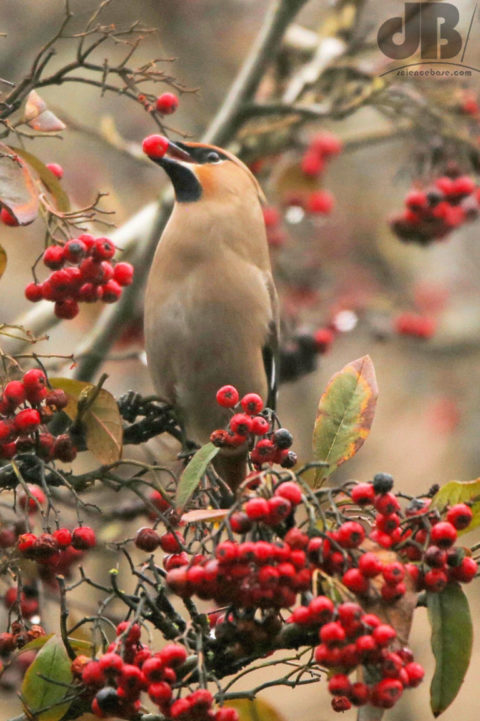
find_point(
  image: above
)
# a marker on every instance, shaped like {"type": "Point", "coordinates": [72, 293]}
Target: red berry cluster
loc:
{"type": "Point", "coordinates": [349, 638]}
{"type": "Point", "coordinates": [117, 680]}
{"type": "Point", "coordinates": [46, 547]}
{"type": "Point", "coordinates": [83, 272]}
{"type": "Point", "coordinates": [322, 148]}
{"type": "Point", "coordinates": [249, 424]}
{"type": "Point", "coordinates": [418, 535]}
{"type": "Point", "coordinates": [25, 406]}
{"type": "Point", "coordinates": [414, 325]}
{"type": "Point", "coordinates": [433, 213]}
{"type": "Point", "coordinates": [18, 636]}
{"type": "Point", "coordinates": [27, 600]}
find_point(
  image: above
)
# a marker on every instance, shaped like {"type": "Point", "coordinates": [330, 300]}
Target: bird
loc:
{"type": "Point", "coordinates": [211, 309]}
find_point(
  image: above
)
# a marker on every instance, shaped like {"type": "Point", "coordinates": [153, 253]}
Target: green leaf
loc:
{"type": "Point", "coordinates": [42, 690]}
{"type": "Point", "coordinates": [345, 415]}
{"type": "Point", "coordinates": [50, 181]}
{"type": "Point", "coordinates": [18, 192]}
{"type": "Point", "coordinates": [452, 636]}
{"type": "Point", "coordinates": [460, 492]}
{"type": "Point", "coordinates": [192, 475]}
{"type": "Point", "coordinates": [102, 420]}
{"type": "Point", "coordinates": [257, 710]}
{"type": "Point", "coordinates": [3, 260]}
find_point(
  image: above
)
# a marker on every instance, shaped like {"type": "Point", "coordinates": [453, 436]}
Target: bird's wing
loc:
{"type": "Point", "coordinates": [271, 348]}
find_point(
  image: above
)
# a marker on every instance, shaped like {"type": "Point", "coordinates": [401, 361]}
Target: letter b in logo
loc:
{"type": "Point", "coordinates": [430, 25]}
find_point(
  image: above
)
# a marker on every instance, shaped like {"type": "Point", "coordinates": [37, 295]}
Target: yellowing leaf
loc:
{"type": "Point", "coordinates": [452, 638]}
{"type": "Point", "coordinates": [102, 420]}
{"type": "Point", "coordinates": [50, 181]}
{"type": "Point", "coordinates": [46, 681]}
{"type": "Point", "coordinates": [17, 188]}
{"type": "Point", "coordinates": [39, 117]}
{"type": "Point", "coordinates": [345, 415]}
{"type": "Point", "coordinates": [257, 710]}
{"type": "Point", "coordinates": [193, 473]}
{"type": "Point", "coordinates": [460, 492]}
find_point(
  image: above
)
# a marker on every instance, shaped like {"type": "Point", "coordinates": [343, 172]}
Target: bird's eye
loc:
{"type": "Point", "coordinates": [213, 157]}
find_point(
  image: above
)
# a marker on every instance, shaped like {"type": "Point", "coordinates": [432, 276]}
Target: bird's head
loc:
{"type": "Point", "coordinates": [204, 172]}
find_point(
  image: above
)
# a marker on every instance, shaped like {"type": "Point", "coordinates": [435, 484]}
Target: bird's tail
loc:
{"type": "Point", "coordinates": [231, 467]}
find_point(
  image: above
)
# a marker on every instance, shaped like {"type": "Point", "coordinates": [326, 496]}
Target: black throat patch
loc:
{"type": "Point", "coordinates": [184, 181]}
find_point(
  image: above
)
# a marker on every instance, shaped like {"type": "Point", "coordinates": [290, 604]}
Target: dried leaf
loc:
{"type": "Point", "coordinates": [452, 638]}
{"type": "Point", "coordinates": [39, 117]}
{"type": "Point", "coordinates": [193, 473]}
{"type": "Point", "coordinates": [43, 686]}
{"type": "Point", "coordinates": [3, 260]}
{"type": "Point", "coordinates": [345, 415]}
{"type": "Point", "coordinates": [17, 187]}
{"type": "Point", "coordinates": [102, 420]}
{"type": "Point", "coordinates": [201, 515]}
{"type": "Point", "coordinates": [50, 181]}
{"type": "Point", "coordinates": [460, 492]}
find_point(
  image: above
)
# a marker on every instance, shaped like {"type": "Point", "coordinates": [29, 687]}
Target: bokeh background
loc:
{"type": "Point", "coordinates": [427, 426]}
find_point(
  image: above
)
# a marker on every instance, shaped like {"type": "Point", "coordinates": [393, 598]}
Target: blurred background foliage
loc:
{"type": "Point", "coordinates": [427, 426]}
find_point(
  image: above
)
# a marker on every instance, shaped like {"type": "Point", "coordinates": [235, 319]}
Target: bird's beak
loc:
{"type": "Point", "coordinates": [175, 152]}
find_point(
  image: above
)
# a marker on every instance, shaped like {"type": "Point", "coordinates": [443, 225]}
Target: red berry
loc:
{"type": "Point", "coordinates": [465, 571]}
{"type": "Point", "coordinates": [355, 581]}
{"type": "Point", "coordinates": [147, 539]}
{"type": "Point", "coordinates": [111, 292]}
{"type": "Point", "coordinates": [14, 393]}
{"type": "Point", "coordinates": [291, 491]}
{"type": "Point", "coordinates": [153, 669]}
{"type": "Point", "coordinates": [83, 538]}
{"type": "Point", "coordinates": [386, 692]}
{"type": "Point", "coordinates": [279, 509]}
{"type": "Point", "coordinates": [257, 509]}
{"type": "Point", "coordinates": [159, 501]}
{"type": "Point", "coordinates": [111, 663]}
{"type": "Point", "coordinates": [323, 339]}
{"type": "Point", "coordinates": [155, 146]}
{"type": "Point", "coordinates": [240, 522]}
{"type": "Point", "coordinates": [416, 200]}
{"type": "Point", "coordinates": [173, 655]}
{"type": "Point", "coordinates": [37, 496]}
{"type": "Point", "coordinates": [8, 218]}
{"type": "Point", "coordinates": [393, 572]}
{"type": "Point", "coordinates": [415, 674]}
{"type": "Point", "coordinates": [92, 674]}
{"type": "Point", "coordinates": [460, 516]}
{"type": "Point", "coordinates": [56, 169]}
{"type": "Point", "coordinates": [123, 273]}
{"type": "Point", "coordinates": [332, 633]}
{"type": "Point", "coordinates": [27, 421]}
{"type": "Point", "coordinates": [103, 249]}
{"type": "Point", "coordinates": [241, 423]}
{"type": "Point", "coordinates": [383, 634]}
{"type": "Point", "coordinates": [63, 537]}
{"type": "Point", "coordinates": [226, 714]}
{"type": "Point", "coordinates": [53, 257]}
{"type": "Point", "coordinates": [339, 685]}
{"type": "Point", "coordinates": [320, 201]}
{"type": "Point", "coordinates": [271, 216]}
{"type": "Point", "coordinates": [386, 503]}
{"type": "Point", "coordinates": [326, 144]}
{"type": "Point", "coordinates": [312, 164]}
{"type": "Point", "coordinates": [34, 379]}
{"type": "Point", "coordinates": [26, 542]}
{"type": "Point", "coordinates": [160, 692]}
{"type": "Point", "coordinates": [66, 309]}
{"type": "Point", "coordinates": [443, 534]}
{"type": "Point", "coordinates": [171, 542]}
{"type": "Point", "coordinates": [435, 580]}
{"type": "Point", "coordinates": [226, 552]}
{"type": "Point", "coordinates": [227, 396]}
{"type": "Point", "coordinates": [260, 426]}
{"type": "Point", "coordinates": [63, 449]}
{"type": "Point", "coordinates": [166, 104]}
{"type": "Point", "coordinates": [369, 564]}
{"type": "Point", "coordinates": [252, 404]}
{"type": "Point", "coordinates": [321, 609]}
{"type": "Point", "coordinates": [363, 494]}
{"type": "Point", "coordinates": [33, 292]}
{"type": "Point", "coordinates": [350, 534]}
